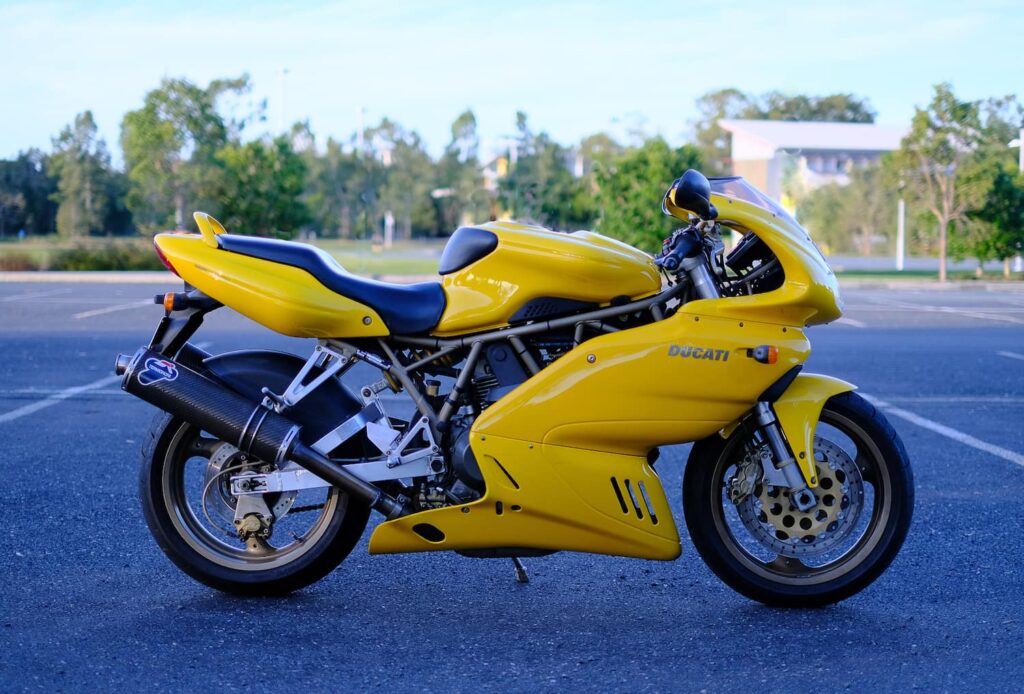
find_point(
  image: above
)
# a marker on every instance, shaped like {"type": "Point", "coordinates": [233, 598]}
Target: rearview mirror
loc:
{"type": "Point", "coordinates": [692, 192]}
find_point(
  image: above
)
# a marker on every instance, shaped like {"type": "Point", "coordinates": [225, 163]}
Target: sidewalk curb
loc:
{"type": "Point", "coordinates": [92, 277]}
{"type": "Point", "coordinates": [147, 277]}
{"type": "Point", "coordinates": [932, 285]}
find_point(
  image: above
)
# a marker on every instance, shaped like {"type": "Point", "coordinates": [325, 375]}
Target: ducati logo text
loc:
{"type": "Point", "coordinates": [698, 352]}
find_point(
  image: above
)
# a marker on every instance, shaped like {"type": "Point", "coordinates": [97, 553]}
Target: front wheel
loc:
{"type": "Point", "coordinates": [763, 547]}
{"type": "Point", "coordinates": [186, 497]}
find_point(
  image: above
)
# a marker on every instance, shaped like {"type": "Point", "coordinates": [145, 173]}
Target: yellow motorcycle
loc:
{"type": "Point", "coordinates": [543, 371]}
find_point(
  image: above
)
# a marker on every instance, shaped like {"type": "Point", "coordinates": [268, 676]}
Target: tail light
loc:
{"type": "Point", "coordinates": [163, 259]}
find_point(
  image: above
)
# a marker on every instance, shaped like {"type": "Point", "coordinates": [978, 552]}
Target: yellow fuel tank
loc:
{"type": "Point", "coordinates": [496, 272]}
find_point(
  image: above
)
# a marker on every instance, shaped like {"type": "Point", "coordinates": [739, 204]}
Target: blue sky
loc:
{"type": "Point", "coordinates": [574, 67]}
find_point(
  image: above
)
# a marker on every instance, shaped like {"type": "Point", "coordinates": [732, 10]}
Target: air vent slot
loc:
{"type": "Point", "coordinates": [507, 474]}
{"type": "Point", "coordinates": [647, 502]}
{"type": "Point", "coordinates": [618, 495]}
{"type": "Point", "coordinates": [639, 499]}
{"type": "Point", "coordinates": [632, 497]}
{"type": "Point", "coordinates": [428, 532]}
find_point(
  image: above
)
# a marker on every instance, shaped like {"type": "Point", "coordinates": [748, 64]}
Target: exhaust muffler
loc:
{"type": "Point", "coordinates": [249, 426]}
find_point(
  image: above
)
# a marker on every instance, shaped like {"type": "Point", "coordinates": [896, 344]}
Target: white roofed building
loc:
{"type": "Point", "coordinates": [767, 152]}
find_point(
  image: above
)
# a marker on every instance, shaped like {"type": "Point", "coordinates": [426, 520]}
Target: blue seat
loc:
{"type": "Point", "coordinates": [407, 309]}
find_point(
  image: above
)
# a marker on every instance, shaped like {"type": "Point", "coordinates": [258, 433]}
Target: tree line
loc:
{"type": "Point", "coordinates": [189, 147]}
{"type": "Point", "coordinates": [958, 175]}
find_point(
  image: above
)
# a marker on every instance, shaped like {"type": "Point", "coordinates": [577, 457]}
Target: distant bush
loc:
{"type": "Point", "coordinates": [115, 256]}
{"type": "Point", "coordinates": [17, 261]}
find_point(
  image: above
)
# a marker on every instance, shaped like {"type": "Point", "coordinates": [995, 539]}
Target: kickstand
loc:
{"type": "Point", "coordinates": [521, 575]}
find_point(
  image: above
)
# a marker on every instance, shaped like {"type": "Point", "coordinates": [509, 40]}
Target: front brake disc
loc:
{"type": "Point", "coordinates": [779, 526]}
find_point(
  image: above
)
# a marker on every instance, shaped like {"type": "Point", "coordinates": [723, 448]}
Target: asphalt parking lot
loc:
{"type": "Point", "coordinates": [89, 602]}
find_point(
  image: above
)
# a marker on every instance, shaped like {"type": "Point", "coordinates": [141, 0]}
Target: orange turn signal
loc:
{"type": "Point", "coordinates": [169, 301]}
{"type": "Point", "coordinates": [764, 354]}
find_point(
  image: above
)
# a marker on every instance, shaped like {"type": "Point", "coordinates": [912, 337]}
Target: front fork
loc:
{"type": "Point", "coordinates": [789, 425]}
{"type": "Point", "coordinates": [781, 470]}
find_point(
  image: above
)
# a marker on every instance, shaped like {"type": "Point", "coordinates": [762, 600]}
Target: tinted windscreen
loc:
{"type": "Point", "coordinates": [737, 188]}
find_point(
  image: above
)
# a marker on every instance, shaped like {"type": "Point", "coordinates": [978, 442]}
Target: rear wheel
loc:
{"type": "Point", "coordinates": [185, 491]}
{"type": "Point", "coordinates": [765, 548]}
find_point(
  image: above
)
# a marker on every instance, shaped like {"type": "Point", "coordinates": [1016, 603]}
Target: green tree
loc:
{"type": "Point", "coordinates": [81, 165]}
{"type": "Point", "coordinates": [170, 147]}
{"type": "Point", "coordinates": [409, 178]}
{"type": "Point", "coordinates": [27, 178]}
{"type": "Point", "coordinates": [938, 160]}
{"type": "Point", "coordinates": [631, 189]}
{"type": "Point", "coordinates": [854, 217]}
{"type": "Point", "coordinates": [12, 208]}
{"type": "Point", "coordinates": [332, 190]}
{"type": "Point", "coordinates": [540, 187]}
{"type": "Point", "coordinates": [461, 198]}
{"type": "Point", "coordinates": [712, 141]}
{"type": "Point", "coordinates": [835, 108]}
{"type": "Point", "coordinates": [260, 187]}
{"type": "Point", "coordinates": [118, 218]}
{"type": "Point", "coordinates": [1003, 214]}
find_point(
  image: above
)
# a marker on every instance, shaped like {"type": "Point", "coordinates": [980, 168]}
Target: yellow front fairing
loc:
{"type": "Point", "coordinates": [810, 293]}
{"type": "Point", "coordinates": [280, 297]}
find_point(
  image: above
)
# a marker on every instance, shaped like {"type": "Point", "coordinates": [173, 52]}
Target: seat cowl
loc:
{"type": "Point", "coordinates": [466, 246]}
{"type": "Point", "coordinates": [407, 309]}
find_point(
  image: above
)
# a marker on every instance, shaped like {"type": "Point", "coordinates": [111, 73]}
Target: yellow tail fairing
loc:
{"type": "Point", "coordinates": [283, 298]}
{"type": "Point", "coordinates": [530, 263]}
{"type": "Point", "coordinates": [547, 498]}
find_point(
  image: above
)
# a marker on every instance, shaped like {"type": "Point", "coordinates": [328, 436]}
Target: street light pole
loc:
{"type": "Point", "coordinates": [901, 238]}
{"type": "Point", "coordinates": [1018, 262]}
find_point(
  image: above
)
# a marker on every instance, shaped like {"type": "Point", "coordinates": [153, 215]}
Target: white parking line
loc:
{"type": "Point", "coordinates": [851, 321]}
{"type": "Point", "coordinates": [948, 432]}
{"type": "Point", "coordinates": [35, 295]}
{"type": "Point", "coordinates": [62, 395]}
{"type": "Point", "coordinates": [55, 398]}
{"type": "Point", "coordinates": [111, 309]}
{"type": "Point", "coordinates": [1011, 355]}
{"type": "Point", "coordinates": [927, 308]}
{"type": "Point", "coordinates": [959, 399]}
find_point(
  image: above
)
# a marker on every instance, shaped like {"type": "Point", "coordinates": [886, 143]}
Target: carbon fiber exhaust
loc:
{"type": "Point", "coordinates": [251, 427]}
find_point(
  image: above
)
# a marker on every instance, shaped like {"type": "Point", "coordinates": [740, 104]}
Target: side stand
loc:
{"type": "Point", "coordinates": [521, 575]}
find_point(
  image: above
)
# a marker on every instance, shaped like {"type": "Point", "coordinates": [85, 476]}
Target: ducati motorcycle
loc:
{"type": "Point", "coordinates": [544, 370]}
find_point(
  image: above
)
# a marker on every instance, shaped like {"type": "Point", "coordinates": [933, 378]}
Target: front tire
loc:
{"type": "Point", "coordinates": [181, 508]}
{"type": "Point", "coordinates": [756, 546]}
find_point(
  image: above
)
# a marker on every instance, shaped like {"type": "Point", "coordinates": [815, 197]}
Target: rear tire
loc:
{"type": "Point", "coordinates": [743, 560]}
{"type": "Point", "coordinates": [179, 529]}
